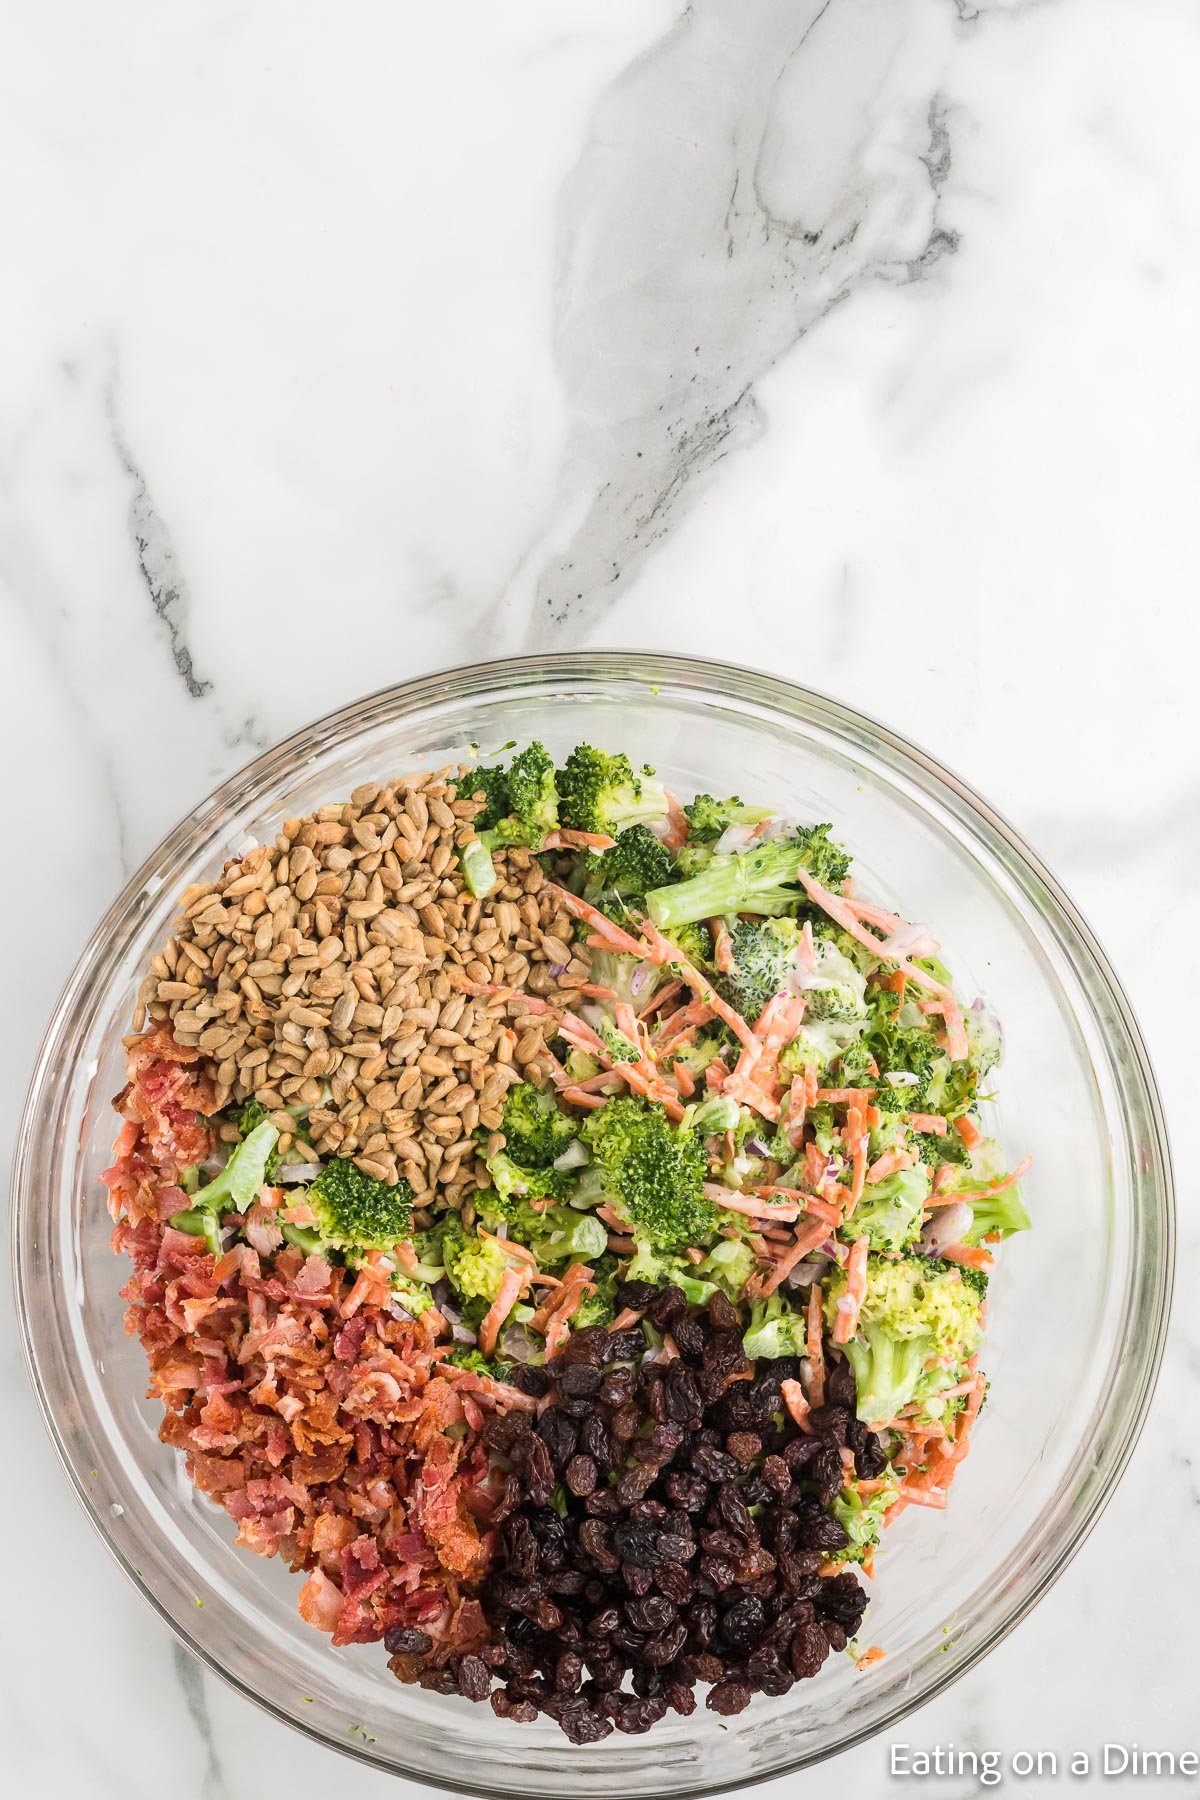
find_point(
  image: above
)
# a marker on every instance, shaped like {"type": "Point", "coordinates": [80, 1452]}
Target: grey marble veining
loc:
{"type": "Point", "coordinates": [852, 340]}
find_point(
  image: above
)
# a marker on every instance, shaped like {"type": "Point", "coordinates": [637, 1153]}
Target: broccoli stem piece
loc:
{"type": "Point", "coordinates": [199, 1221]}
{"type": "Point", "coordinates": [730, 884]}
{"type": "Point", "coordinates": [479, 871]}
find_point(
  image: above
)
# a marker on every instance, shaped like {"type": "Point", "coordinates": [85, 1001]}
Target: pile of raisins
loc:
{"type": "Point", "coordinates": [662, 1526]}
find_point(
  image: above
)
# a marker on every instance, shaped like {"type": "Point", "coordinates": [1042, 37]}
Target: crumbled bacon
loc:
{"type": "Point", "coordinates": [319, 1418]}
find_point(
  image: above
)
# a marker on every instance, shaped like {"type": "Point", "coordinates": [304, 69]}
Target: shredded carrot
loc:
{"type": "Point", "coordinates": [968, 1257]}
{"type": "Point", "coordinates": [628, 1316]}
{"type": "Point", "coordinates": [596, 990]}
{"type": "Point", "coordinates": [805, 1241]}
{"type": "Point", "coordinates": [677, 834]}
{"type": "Point", "coordinates": [722, 945]}
{"type": "Point", "coordinates": [512, 1284]}
{"type": "Point", "coordinates": [850, 1304]}
{"type": "Point", "coordinates": [664, 952]}
{"type": "Point", "coordinates": [660, 998]}
{"type": "Point", "coordinates": [870, 1657]}
{"type": "Point", "coordinates": [591, 915]}
{"type": "Point", "coordinates": [757, 1209]}
{"type": "Point", "coordinates": [578, 1096]}
{"type": "Point", "coordinates": [854, 1136]}
{"type": "Point", "coordinates": [1022, 1169]}
{"type": "Point", "coordinates": [929, 1122]}
{"type": "Point", "coordinates": [888, 1164]}
{"type": "Point", "coordinates": [968, 1131]}
{"type": "Point", "coordinates": [797, 1405]}
{"type": "Point", "coordinates": [806, 953]}
{"type": "Point", "coordinates": [684, 1080]}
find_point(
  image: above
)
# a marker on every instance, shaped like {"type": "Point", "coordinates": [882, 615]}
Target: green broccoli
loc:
{"type": "Point", "coordinates": [464, 1356]}
{"type": "Point", "coordinates": [1001, 1214]}
{"type": "Point", "coordinates": [759, 881]}
{"type": "Point", "coordinates": [764, 953]}
{"type": "Point", "coordinates": [915, 1309]}
{"type": "Point", "coordinates": [619, 1047]}
{"type": "Point", "coordinates": [474, 1266]}
{"type": "Point", "coordinates": [717, 1112]}
{"type": "Point", "coordinates": [530, 801]}
{"type": "Point", "coordinates": [708, 818]}
{"type": "Point", "coordinates": [637, 862]}
{"type": "Point", "coordinates": [652, 1172]}
{"type": "Point", "coordinates": [598, 1306]}
{"type": "Point", "coordinates": [243, 1175]}
{"type": "Point", "coordinates": [649, 1263]}
{"type": "Point", "coordinates": [199, 1221]}
{"type": "Point", "coordinates": [600, 792]}
{"type": "Point", "coordinates": [694, 943]}
{"type": "Point", "coordinates": [355, 1212]}
{"type": "Point", "coordinates": [775, 1329]}
{"type": "Point", "coordinates": [535, 1131]}
{"type": "Point", "coordinates": [862, 1520]}
{"type": "Point", "coordinates": [728, 1265]}
{"type": "Point", "coordinates": [889, 1213]}
{"type": "Point", "coordinates": [514, 1185]}
{"type": "Point", "coordinates": [836, 987]}
{"type": "Point", "coordinates": [629, 977]}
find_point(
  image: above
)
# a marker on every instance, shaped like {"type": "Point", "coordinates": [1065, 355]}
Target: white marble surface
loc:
{"type": "Point", "coordinates": [855, 340]}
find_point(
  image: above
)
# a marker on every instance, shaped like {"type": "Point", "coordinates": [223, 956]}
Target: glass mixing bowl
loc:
{"type": "Point", "coordinates": [1072, 1360]}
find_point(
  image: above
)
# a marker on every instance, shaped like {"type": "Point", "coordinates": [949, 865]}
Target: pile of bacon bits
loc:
{"type": "Point", "coordinates": [663, 1525]}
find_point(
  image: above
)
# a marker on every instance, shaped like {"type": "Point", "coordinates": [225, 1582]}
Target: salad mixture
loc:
{"type": "Point", "coordinates": [561, 1221]}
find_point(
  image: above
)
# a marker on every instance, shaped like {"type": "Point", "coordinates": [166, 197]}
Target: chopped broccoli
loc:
{"type": "Point", "coordinates": [760, 881]}
{"type": "Point", "coordinates": [243, 1175]}
{"type": "Point", "coordinates": [514, 1186]}
{"type": "Point", "coordinates": [355, 1212]}
{"type": "Point", "coordinates": [775, 1330]}
{"type": "Point", "coordinates": [652, 1172]}
{"type": "Point", "coordinates": [199, 1221]}
{"type": "Point", "coordinates": [998, 1214]}
{"type": "Point", "coordinates": [694, 943]}
{"type": "Point", "coordinates": [718, 1112]}
{"type": "Point", "coordinates": [729, 1265]}
{"type": "Point", "coordinates": [598, 1306]}
{"type": "Point", "coordinates": [601, 792]}
{"type": "Point", "coordinates": [463, 1356]}
{"type": "Point", "coordinates": [915, 1309]}
{"type": "Point", "coordinates": [521, 809]}
{"type": "Point", "coordinates": [708, 818]}
{"type": "Point", "coordinates": [764, 953]}
{"type": "Point", "coordinates": [862, 1520]}
{"type": "Point", "coordinates": [690, 858]}
{"type": "Point", "coordinates": [835, 987]}
{"type": "Point", "coordinates": [637, 862]}
{"type": "Point", "coordinates": [889, 1213]}
{"type": "Point", "coordinates": [414, 1296]}
{"type": "Point", "coordinates": [619, 1047]}
{"type": "Point", "coordinates": [628, 977]}
{"type": "Point", "coordinates": [475, 1266]}
{"type": "Point", "coordinates": [535, 1131]}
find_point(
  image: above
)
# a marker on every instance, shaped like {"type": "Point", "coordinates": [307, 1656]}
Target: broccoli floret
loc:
{"type": "Point", "coordinates": [414, 1296]}
{"type": "Point", "coordinates": [535, 1131]}
{"type": "Point", "coordinates": [202, 1222]}
{"type": "Point", "coordinates": [764, 952]}
{"type": "Point", "coordinates": [1000, 1214]}
{"type": "Point", "coordinates": [514, 1186]}
{"type": "Point", "coordinates": [690, 858]}
{"type": "Point", "coordinates": [775, 1330]}
{"type": "Point", "coordinates": [694, 943]}
{"type": "Point", "coordinates": [561, 1234]}
{"type": "Point", "coordinates": [598, 1306]}
{"type": "Point", "coordinates": [355, 1212]}
{"type": "Point", "coordinates": [652, 1172]}
{"type": "Point", "coordinates": [628, 977]}
{"type": "Point", "coordinates": [243, 1175]}
{"type": "Point", "coordinates": [637, 862]}
{"type": "Point", "coordinates": [601, 792]}
{"type": "Point", "coordinates": [760, 881]}
{"type": "Point", "coordinates": [730, 1264]}
{"type": "Point", "coordinates": [708, 818]}
{"type": "Point", "coordinates": [915, 1309]}
{"type": "Point", "coordinates": [718, 1112]}
{"type": "Point", "coordinates": [697, 1055]}
{"type": "Point", "coordinates": [619, 1047]}
{"type": "Point", "coordinates": [529, 800]}
{"type": "Point", "coordinates": [463, 1356]}
{"type": "Point", "coordinates": [474, 1266]}
{"type": "Point", "coordinates": [492, 785]}
{"type": "Point", "coordinates": [889, 1213]}
{"type": "Point", "coordinates": [649, 1263]}
{"type": "Point", "coordinates": [835, 987]}
{"type": "Point", "coordinates": [862, 1520]}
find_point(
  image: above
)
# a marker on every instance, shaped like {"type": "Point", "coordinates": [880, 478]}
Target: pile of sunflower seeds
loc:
{"type": "Point", "coordinates": [334, 970]}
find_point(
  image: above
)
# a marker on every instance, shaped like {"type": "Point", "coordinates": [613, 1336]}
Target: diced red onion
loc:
{"type": "Point", "coordinates": [448, 1311]}
{"type": "Point", "coordinates": [756, 1147]}
{"type": "Point", "coordinates": [462, 1334]}
{"type": "Point", "coordinates": [641, 975]}
{"type": "Point", "coordinates": [557, 969]}
{"type": "Point", "coordinates": [291, 1173]}
{"type": "Point", "coordinates": [805, 1273]}
{"type": "Point", "coordinates": [212, 1165]}
{"type": "Point", "coordinates": [519, 1346]}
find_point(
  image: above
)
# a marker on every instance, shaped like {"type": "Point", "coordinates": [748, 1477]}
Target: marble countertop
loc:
{"type": "Point", "coordinates": [850, 338]}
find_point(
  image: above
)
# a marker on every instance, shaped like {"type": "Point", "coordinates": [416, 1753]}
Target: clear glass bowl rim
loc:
{"type": "Point", "coordinates": [704, 675]}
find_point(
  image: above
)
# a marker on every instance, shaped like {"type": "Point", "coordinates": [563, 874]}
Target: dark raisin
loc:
{"type": "Point", "coordinates": [840, 1385]}
{"type": "Point", "coordinates": [474, 1680]}
{"type": "Point", "coordinates": [530, 1378]}
{"type": "Point", "coordinates": [703, 1668]}
{"type": "Point", "coordinates": [626, 1422]}
{"type": "Point", "coordinates": [636, 1482]}
{"type": "Point", "coordinates": [729, 1697]}
{"type": "Point", "coordinates": [776, 1474]}
{"type": "Point", "coordinates": [680, 1698]}
{"type": "Point", "coordinates": [744, 1446]}
{"type": "Point", "coordinates": [603, 1504]}
{"type": "Point", "coordinates": [627, 1345]}
{"type": "Point", "coordinates": [673, 1580]}
{"type": "Point", "coordinates": [568, 1672]}
{"type": "Point", "coordinates": [584, 1725]}
{"type": "Point", "coordinates": [637, 1578]}
{"type": "Point", "coordinates": [827, 1472]}
{"type": "Point", "coordinates": [808, 1650]}
{"type": "Point", "coordinates": [667, 1305]}
{"type": "Point", "coordinates": [539, 1474]}
{"type": "Point", "coordinates": [591, 1345]}
{"type": "Point", "coordinates": [735, 1512]}
{"type": "Point", "coordinates": [653, 1613]}
{"type": "Point", "coordinates": [722, 1313]}
{"type": "Point", "coordinates": [578, 1379]}
{"type": "Point", "coordinates": [690, 1338]}
{"type": "Point", "coordinates": [636, 1543]}
{"type": "Point", "coordinates": [666, 1646]}
{"type": "Point", "coordinates": [688, 1491]}
{"type": "Point", "coordinates": [634, 1296]}
{"type": "Point", "coordinates": [617, 1387]}
{"type": "Point", "coordinates": [768, 1671]}
{"type": "Point", "coordinates": [713, 1465]}
{"type": "Point", "coordinates": [843, 1598]}
{"type": "Point", "coordinates": [407, 1640]}
{"type": "Point", "coordinates": [743, 1624]}
{"type": "Point", "coordinates": [581, 1475]}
